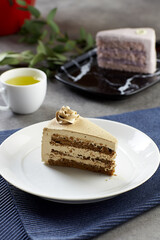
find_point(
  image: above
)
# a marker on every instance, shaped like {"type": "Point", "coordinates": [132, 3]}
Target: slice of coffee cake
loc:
{"type": "Point", "coordinates": [73, 141]}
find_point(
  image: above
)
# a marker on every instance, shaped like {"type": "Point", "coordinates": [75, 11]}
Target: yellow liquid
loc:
{"type": "Point", "coordinates": [22, 80]}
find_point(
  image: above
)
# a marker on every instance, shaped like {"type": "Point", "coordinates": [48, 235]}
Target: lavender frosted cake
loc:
{"type": "Point", "coordinates": [127, 49]}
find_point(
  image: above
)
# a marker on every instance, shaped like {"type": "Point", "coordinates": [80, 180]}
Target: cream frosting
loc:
{"type": "Point", "coordinates": [125, 33]}
{"type": "Point", "coordinates": [66, 116]}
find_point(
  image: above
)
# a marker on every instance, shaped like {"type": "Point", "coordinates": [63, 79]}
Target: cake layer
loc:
{"type": "Point", "coordinates": [136, 63]}
{"type": "Point", "coordinates": [122, 67]}
{"type": "Point", "coordinates": [85, 166]}
{"type": "Point", "coordinates": [55, 156]}
{"type": "Point", "coordinates": [85, 153]}
{"type": "Point", "coordinates": [130, 57]}
{"type": "Point", "coordinates": [121, 45]}
{"type": "Point", "coordinates": [121, 54]}
{"type": "Point", "coordinates": [78, 143]}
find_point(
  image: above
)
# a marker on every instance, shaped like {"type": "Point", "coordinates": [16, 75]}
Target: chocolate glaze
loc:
{"type": "Point", "coordinates": [84, 74]}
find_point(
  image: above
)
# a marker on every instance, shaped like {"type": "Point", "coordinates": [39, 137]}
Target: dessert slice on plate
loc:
{"type": "Point", "coordinates": [127, 49]}
{"type": "Point", "coordinates": [73, 141]}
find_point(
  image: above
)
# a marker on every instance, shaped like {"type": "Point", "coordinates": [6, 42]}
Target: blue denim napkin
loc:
{"type": "Point", "coordinates": [24, 216]}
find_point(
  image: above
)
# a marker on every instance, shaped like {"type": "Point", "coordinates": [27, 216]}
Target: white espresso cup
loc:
{"type": "Point", "coordinates": [23, 99]}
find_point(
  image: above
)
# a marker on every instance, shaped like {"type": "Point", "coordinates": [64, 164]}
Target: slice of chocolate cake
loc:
{"type": "Point", "coordinates": [128, 49]}
{"type": "Point", "coordinates": [73, 141]}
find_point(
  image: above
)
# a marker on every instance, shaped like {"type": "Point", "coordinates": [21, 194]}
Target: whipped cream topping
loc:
{"type": "Point", "coordinates": [66, 116]}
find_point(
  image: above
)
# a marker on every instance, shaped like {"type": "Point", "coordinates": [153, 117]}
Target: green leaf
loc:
{"type": "Point", "coordinates": [32, 26]}
{"type": "Point", "coordinates": [51, 15]}
{"type": "Point", "coordinates": [36, 59]}
{"type": "Point", "coordinates": [83, 34]}
{"type": "Point", "coordinates": [27, 55]}
{"type": "Point", "coordinates": [44, 49]}
{"type": "Point", "coordinates": [60, 57]}
{"type": "Point", "coordinates": [59, 48]}
{"type": "Point", "coordinates": [54, 27]}
{"type": "Point", "coordinates": [10, 61]}
{"type": "Point", "coordinates": [58, 62]}
{"type": "Point", "coordinates": [13, 58]}
{"type": "Point", "coordinates": [34, 11]}
{"type": "Point", "coordinates": [90, 40]}
{"type": "Point", "coordinates": [51, 22]}
{"type": "Point", "coordinates": [3, 56]}
{"type": "Point", "coordinates": [63, 39]}
{"type": "Point", "coordinates": [41, 48]}
{"type": "Point", "coordinates": [57, 57]}
{"type": "Point", "coordinates": [22, 8]}
{"type": "Point", "coordinates": [70, 45]}
{"type": "Point", "coordinates": [32, 31]}
{"type": "Point", "coordinates": [21, 2]}
{"type": "Point", "coordinates": [52, 37]}
{"type": "Point", "coordinates": [44, 34]}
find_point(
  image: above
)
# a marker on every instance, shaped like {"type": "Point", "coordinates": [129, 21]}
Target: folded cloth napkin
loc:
{"type": "Point", "coordinates": [24, 216]}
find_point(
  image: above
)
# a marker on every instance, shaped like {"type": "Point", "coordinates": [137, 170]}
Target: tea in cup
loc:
{"type": "Point", "coordinates": [23, 89]}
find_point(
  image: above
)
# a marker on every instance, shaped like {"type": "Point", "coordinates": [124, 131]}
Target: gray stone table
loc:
{"type": "Point", "coordinates": [95, 15]}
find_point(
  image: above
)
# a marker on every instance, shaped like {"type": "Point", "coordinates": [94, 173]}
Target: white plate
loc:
{"type": "Point", "coordinates": [20, 164]}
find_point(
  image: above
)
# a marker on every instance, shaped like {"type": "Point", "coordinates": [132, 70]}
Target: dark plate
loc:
{"type": "Point", "coordinates": [84, 74]}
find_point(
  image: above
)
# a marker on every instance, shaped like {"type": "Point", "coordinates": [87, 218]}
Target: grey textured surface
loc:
{"type": "Point", "coordinates": [94, 16]}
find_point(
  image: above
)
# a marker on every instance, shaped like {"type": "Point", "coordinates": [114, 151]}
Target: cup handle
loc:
{"type": "Point", "coordinates": [3, 108]}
